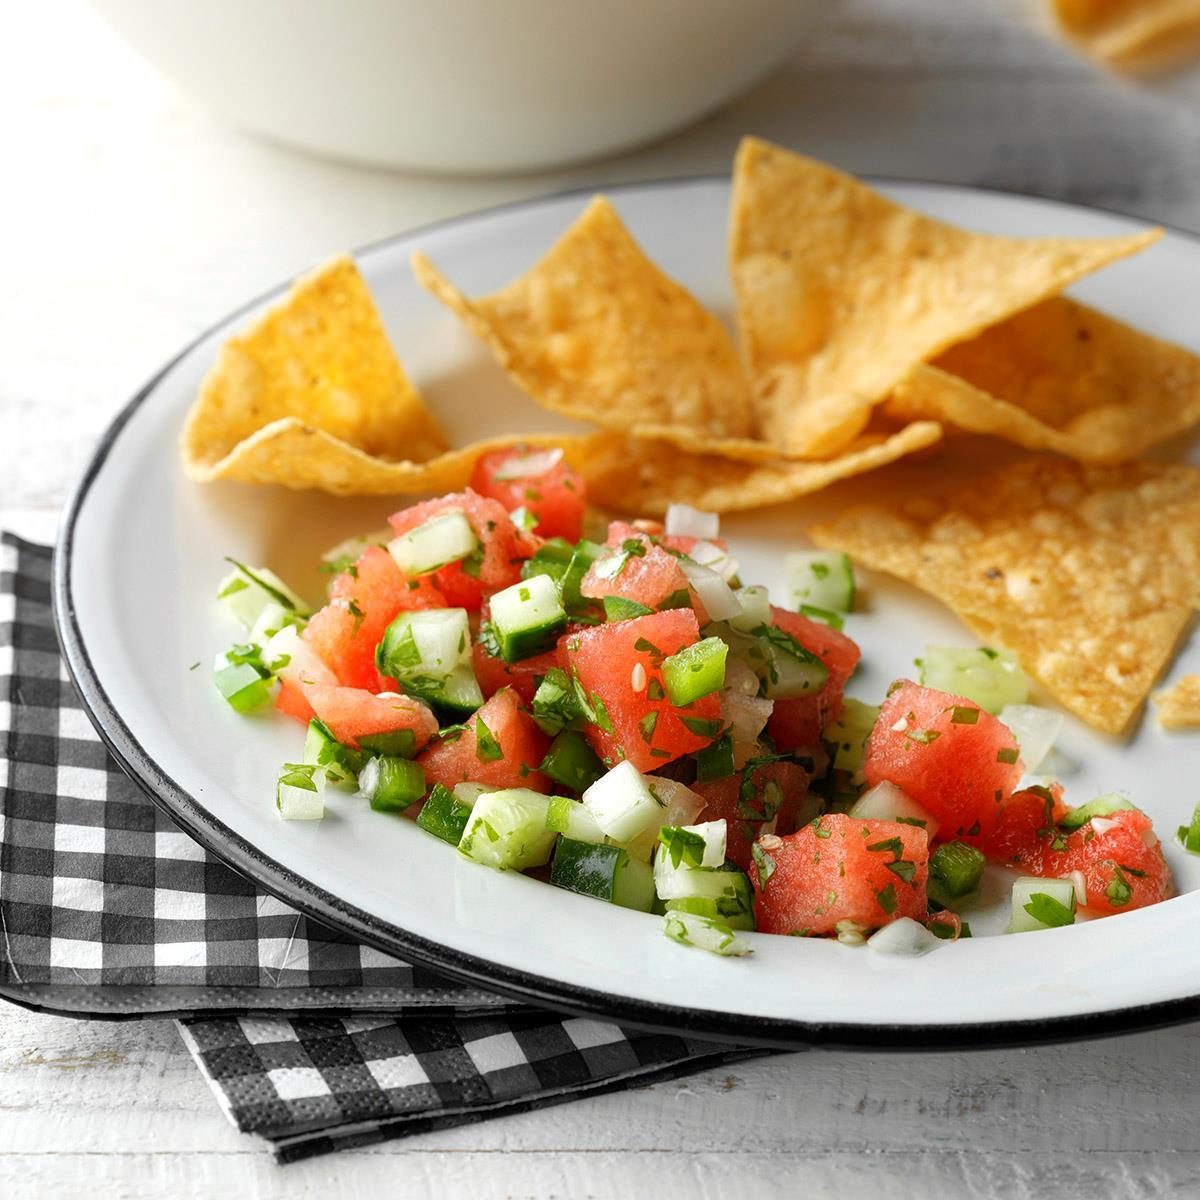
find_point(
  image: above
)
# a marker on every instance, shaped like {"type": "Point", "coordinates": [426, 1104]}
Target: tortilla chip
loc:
{"type": "Point", "coordinates": [643, 477]}
{"type": "Point", "coordinates": [596, 330]}
{"type": "Point", "coordinates": [320, 359]}
{"type": "Point", "coordinates": [296, 455]}
{"type": "Point", "coordinates": [1061, 377]}
{"type": "Point", "coordinates": [1133, 33]}
{"type": "Point", "coordinates": [1179, 705]}
{"type": "Point", "coordinates": [841, 292]}
{"type": "Point", "coordinates": [1088, 574]}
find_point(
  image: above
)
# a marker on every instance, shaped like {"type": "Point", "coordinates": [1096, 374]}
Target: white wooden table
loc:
{"type": "Point", "coordinates": [129, 221]}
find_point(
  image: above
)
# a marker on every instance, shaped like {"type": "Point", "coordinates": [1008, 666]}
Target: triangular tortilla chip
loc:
{"type": "Point", "coordinates": [596, 330]}
{"type": "Point", "coordinates": [296, 455]}
{"type": "Point", "coordinates": [643, 477]}
{"type": "Point", "coordinates": [1060, 376]}
{"type": "Point", "coordinates": [1133, 33]}
{"type": "Point", "coordinates": [321, 359]}
{"type": "Point", "coordinates": [1088, 574]}
{"type": "Point", "coordinates": [841, 292]}
{"type": "Point", "coordinates": [1179, 705]}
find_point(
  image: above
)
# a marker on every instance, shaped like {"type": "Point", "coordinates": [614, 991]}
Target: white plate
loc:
{"type": "Point", "coordinates": [142, 549]}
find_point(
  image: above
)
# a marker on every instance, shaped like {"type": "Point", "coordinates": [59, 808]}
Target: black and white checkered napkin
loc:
{"type": "Point", "coordinates": [307, 1038]}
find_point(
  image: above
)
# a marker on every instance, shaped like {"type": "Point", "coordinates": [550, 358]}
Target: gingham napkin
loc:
{"type": "Point", "coordinates": [306, 1037]}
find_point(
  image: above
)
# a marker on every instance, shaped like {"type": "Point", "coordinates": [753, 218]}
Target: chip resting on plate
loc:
{"type": "Point", "coordinates": [595, 330]}
{"type": "Point", "coordinates": [1133, 33]}
{"type": "Point", "coordinates": [1178, 706]}
{"type": "Point", "coordinates": [314, 377]}
{"type": "Point", "coordinates": [1060, 376]}
{"type": "Point", "coordinates": [841, 292]}
{"type": "Point", "coordinates": [643, 477]}
{"type": "Point", "coordinates": [1089, 574]}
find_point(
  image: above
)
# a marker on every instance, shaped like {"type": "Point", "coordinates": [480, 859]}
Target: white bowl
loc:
{"type": "Point", "coordinates": [460, 85]}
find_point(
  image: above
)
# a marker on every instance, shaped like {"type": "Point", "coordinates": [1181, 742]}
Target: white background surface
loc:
{"type": "Point", "coordinates": [129, 221]}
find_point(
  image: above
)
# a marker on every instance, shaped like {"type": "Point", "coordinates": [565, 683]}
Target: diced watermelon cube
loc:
{"type": "Point", "coordinates": [769, 796]}
{"type": "Point", "coordinates": [500, 746]}
{"type": "Point", "coordinates": [556, 497]}
{"type": "Point", "coordinates": [649, 576]}
{"type": "Point", "coordinates": [352, 713]}
{"type": "Point", "coordinates": [503, 546]}
{"type": "Point", "coordinates": [954, 759]}
{"type": "Point", "coordinates": [798, 723]}
{"type": "Point", "coordinates": [364, 600]}
{"type": "Point", "coordinates": [836, 869]}
{"type": "Point", "coordinates": [619, 667]}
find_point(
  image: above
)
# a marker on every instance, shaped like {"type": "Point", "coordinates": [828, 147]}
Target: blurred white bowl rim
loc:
{"type": "Point", "coordinates": [460, 85]}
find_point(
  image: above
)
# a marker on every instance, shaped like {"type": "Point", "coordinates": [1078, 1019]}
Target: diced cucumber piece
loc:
{"type": "Point", "coordinates": [555, 703]}
{"type": "Point", "coordinates": [677, 881]}
{"type": "Point", "coordinates": [1036, 730]}
{"type": "Point", "coordinates": [700, 845]}
{"type": "Point", "coordinates": [823, 579]}
{"type": "Point", "coordinates": [886, 802]}
{"type": "Point", "coordinates": [271, 620]}
{"type": "Point", "coordinates": [755, 604]}
{"type": "Point", "coordinates": [682, 520]}
{"type": "Point", "coordinates": [349, 550]}
{"type": "Point", "coordinates": [690, 929]}
{"type": "Point", "coordinates": [391, 784]}
{"type": "Point", "coordinates": [586, 553]}
{"type": "Point", "coordinates": [571, 819]}
{"type": "Point", "coordinates": [468, 792]}
{"type": "Point", "coordinates": [527, 617]}
{"type": "Point", "coordinates": [1102, 806]}
{"type": "Point", "coordinates": [244, 686]}
{"type": "Point", "coordinates": [300, 792]}
{"type": "Point", "coordinates": [849, 733]}
{"type": "Point", "coordinates": [737, 913]}
{"type": "Point", "coordinates": [551, 558]}
{"type": "Point", "coordinates": [824, 615]}
{"type": "Point", "coordinates": [719, 599]}
{"type": "Point", "coordinates": [572, 762]}
{"type": "Point", "coordinates": [955, 870]}
{"type": "Point", "coordinates": [1189, 835]}
{"type": "Point", "coordinates": [623, 803]}
{"type": "Point", "coordinates": [1042, 904]}
{"type": "Point", "coordinates": [424, 647]}
{"type": "Point", "coordinates": [992, 678]}
{"type": "Point", "coordinates": [695, 671]}
{"type": "Point", "coordinates": [715, 761]}
{"type": "Point", "coordinates": [604, 872]}
{"type": "Point", "coordinates": [456, 697]}
{"type": "Point", "coordinates": [340, 764]}
{"type": "Point", "coordinates": [444, 814]}
{"type": "Point", "coordinates": [507, 830]}
{"type": "Point", "coordinates": [785, 668]}
{"type": "Point", "coordinates": [246, 591]}
{"type": "Point", "coordinates": [399, 743]}
{"type": "Point", "coordinates": [443, 539]}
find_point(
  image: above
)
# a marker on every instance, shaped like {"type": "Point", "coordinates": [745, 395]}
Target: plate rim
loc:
{"type": "Point", "coordinates": [543, 992]}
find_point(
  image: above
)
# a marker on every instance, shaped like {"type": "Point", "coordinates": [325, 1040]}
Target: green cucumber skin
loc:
{"type": "Point", "coordinates": [444, 815]}
{"type": "Point", "coordinates": [585, 868]}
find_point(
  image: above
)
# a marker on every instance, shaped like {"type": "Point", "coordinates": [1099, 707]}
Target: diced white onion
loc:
{"type": "Point", "coordinates": [886, 802]}
{"type": "Point", "coordinates": [756, 609]}
{"type": "Point", "coordinates": [1105, 824]}
{"type": "Point", "coordinates": [685, 521]}
{"type": "Point", "coordinates": [305, 666]}
{"type": "Point", "coordinates": [746, 717]}
{"type": "Point", "coordinates": [681, 806]}
{"type": "Point", "coordinates": [709, 554]}
{"type": "Point", "coordinates": [1036, 730]}
{"type": "Point", "coordinates": [715, 594]}
{"type": "Point", "coordinates": [529, 466]}
{"type": "Point", "coordinates": [904, 937]}
{"type": "Point", "coordinates": [1080, 881]}
{"type": "Point", "coordinates": [740, 677]}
